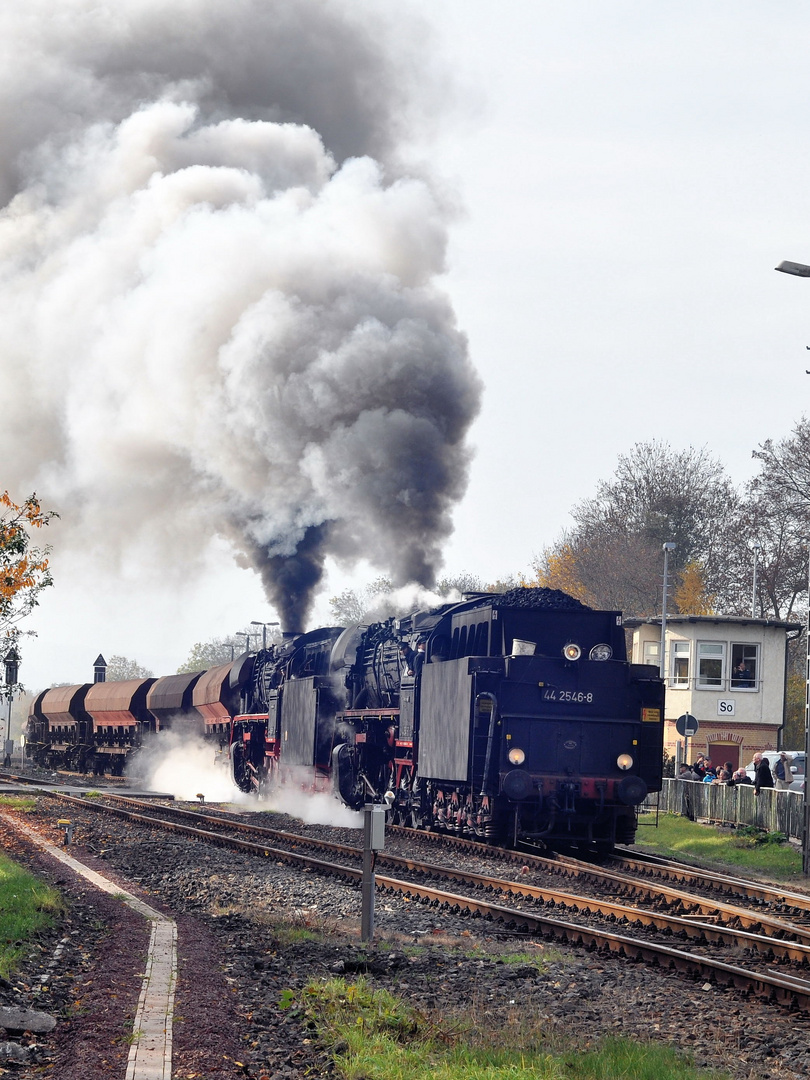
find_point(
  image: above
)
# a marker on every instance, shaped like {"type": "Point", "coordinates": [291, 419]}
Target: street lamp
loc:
{"type": "Point", "coordinates": [797, 269]}
{"type": "Point", "coordinates": [803, 270]}
{"type": "Point", "coordinates": [756, 550]}
{"type": "Point", "coordinates": [669, 546]}
{"type": "Point", "coordinates": [263, 625]}
{"type": "Point", "coordinates": [246, 635]}
{"type": "Point", "coordinates": [12, 664]}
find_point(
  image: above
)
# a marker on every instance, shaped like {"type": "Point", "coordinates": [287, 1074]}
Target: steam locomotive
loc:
{"type": "Point", "coordinates": [508, 717]}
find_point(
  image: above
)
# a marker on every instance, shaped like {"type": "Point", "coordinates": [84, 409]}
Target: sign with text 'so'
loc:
{"type": "Point", "coordinates": [687, 725]}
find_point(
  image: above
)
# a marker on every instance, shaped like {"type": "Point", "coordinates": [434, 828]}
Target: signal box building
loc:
{"type": "Point", "coordinates": [729, 672]}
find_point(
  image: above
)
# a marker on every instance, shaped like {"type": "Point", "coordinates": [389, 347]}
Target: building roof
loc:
{"type": "Point", "coordinates": [716, 620]}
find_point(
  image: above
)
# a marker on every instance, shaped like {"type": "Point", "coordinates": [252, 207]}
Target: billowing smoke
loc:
{"type": "Point", "coordinates": [218, 312]}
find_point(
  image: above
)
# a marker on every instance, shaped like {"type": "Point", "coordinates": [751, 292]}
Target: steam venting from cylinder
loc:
{"type": "Point", "coordinates": [218, 314]}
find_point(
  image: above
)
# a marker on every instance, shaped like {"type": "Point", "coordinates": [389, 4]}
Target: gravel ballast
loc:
{"type": "Point", "coordinates": [241, 947]}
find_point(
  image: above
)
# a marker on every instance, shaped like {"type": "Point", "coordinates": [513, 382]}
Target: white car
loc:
{"type": "Point", "coordinates": [797, 766]}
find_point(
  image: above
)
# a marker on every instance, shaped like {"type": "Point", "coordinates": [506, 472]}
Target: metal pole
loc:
{"type": "Point", "coordinates": [373, 841]}
{"type": "Point", "coordinates": [663, 667]}
{"type": "Point", "coordinates": [806, 838]}
{"type": "Point", "coordinates": [754, 586]}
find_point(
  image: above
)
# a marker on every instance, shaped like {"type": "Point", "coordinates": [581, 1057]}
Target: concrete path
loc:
{"type": "Point", "coordinates": [150, 1057]}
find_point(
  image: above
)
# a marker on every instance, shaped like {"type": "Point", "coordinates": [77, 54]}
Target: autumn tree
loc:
{"type": "Point", "coordinates": [656, 495]}
{"type": "Point", "coordinates": [773, 527]}
{"type": "Point", "coordinates": [24, 568]}
{"type": "Point", "coordinates": [691, 596]}
{"type": "Point", "coordinates": [557, 568]}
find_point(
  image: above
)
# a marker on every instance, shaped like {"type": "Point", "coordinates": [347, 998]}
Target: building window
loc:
{"type": "Point", "coordinates": [652, 653]}
{"type": "Point", "coordinates": [680, 663]}
{"type": "Point", "coordinates": [711, 657]}
{"type": "Point", "coordinates": [744, 667]}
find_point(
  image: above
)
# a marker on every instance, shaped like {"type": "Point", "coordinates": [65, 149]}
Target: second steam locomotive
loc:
{"type": "Point", "coordinates": [508, 717]}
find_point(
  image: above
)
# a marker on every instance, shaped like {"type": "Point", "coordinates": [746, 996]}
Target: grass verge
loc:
{"type": "Point", "coordinates": [27, 905]}
{"type": "Point", "coordinates": [374, 1035]}
{"type": "Point", "coordinates": [26, 803]}
{"type": "Point", "coordinates": [741, 849]}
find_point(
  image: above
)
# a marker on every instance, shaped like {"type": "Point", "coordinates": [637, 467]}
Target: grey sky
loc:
{"type": "Point", "coordinates": [627, 176]}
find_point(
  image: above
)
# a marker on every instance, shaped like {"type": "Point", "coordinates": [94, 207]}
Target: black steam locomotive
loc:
{"type": "Point", "coordinates": [509, 716]}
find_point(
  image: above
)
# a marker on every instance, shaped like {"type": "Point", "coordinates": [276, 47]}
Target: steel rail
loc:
{"type": "Point", "coordinates": [786, 989]}
{"type": "Point", "coordinates": [750, 921]}
{"type": "Point", "coordinates": [778, 948]}
{"type": "Point", "coordinates": [670, 870]}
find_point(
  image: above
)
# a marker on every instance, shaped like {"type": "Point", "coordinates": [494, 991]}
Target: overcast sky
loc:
{"type": "Point", "coordinates": [626, 177]}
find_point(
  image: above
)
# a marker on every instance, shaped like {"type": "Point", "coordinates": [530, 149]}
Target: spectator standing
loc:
{"type": "Point", "coordinates": [688, 773]}
{"type": "Point", "coordinates": [781, 772]}
{"type": "Point", "coordinates": [763, 778]}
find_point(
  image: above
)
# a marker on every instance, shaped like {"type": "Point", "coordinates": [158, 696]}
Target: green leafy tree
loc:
{"type": "Point", "coordinates": [353, 605]}
{"type": "Point", "coordinates": [208, 654]}
{"type": "Point", "coordinates": [793, 731]}
{"type": "Point", "coordinates": [358, 605]}
{"type": "Point", "coordinates": [216, 651]}
{"type": "Point", "coordinates": [464, 582]}
{"type": "Point", "coordinates": [120, 668]}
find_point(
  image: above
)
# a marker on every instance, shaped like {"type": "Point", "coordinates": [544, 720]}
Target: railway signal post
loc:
{"type": "Point", "coordinates": [373, 841]}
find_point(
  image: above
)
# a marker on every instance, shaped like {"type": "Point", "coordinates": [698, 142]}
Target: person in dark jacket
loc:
{"type": "Point", "coordinates": [740, 777]}
{"type": "Point", "coordinates": [688, 773]}
{"type": "Point", "coordinates": [763, 778]}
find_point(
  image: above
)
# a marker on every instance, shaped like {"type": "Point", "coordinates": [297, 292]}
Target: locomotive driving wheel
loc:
{"type": "Point", "coordinates": [417, 815]}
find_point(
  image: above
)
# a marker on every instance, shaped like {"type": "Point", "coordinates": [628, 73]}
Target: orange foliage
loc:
{"type": "Point", "coordinates": [24, 571]}
{"type": "Point", "coordinates": [560, 572]}
{"type": "Point", "coordinates": [691, 596]}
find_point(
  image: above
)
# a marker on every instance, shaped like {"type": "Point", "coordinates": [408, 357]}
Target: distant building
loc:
{"type": "Point", "coordinates": [727, 671]}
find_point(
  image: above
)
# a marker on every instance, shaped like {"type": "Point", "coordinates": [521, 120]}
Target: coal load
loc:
{"type": "Point", "coordinates": [548, 599]}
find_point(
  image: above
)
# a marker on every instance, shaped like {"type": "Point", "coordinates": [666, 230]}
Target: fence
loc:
{"type": "Point", "coordinates": [772, 810]}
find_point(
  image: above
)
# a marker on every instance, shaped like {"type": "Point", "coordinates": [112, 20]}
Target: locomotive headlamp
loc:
{"type": "Point", "coordinates": [600, 652]}
{"type": "Point", "coordinates": [572, 651]}
{"type": "Point", "coordinates": [517, 756]}
{"type": "Point", "coordinates": [625, 761]}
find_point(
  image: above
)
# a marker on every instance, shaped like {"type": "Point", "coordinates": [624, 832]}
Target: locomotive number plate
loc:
{"type": "Point", "coordinates": [577, 697]}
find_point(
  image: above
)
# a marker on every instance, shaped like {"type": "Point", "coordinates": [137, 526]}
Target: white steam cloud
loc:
{"type": "Point", "coordinates": [176, 763]}
{"type": "Point", "coordinates": [218, 312]}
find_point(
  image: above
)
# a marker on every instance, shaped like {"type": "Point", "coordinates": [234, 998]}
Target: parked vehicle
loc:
{"type": "Point", "coordinates": [798, 762]}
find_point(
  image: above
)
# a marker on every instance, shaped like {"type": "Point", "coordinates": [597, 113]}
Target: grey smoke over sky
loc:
{"type": "Point", "coordinates": [219, 312]}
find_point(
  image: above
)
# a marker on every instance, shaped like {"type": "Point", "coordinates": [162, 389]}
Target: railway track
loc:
{"type": "Point", "coordinates": [713, 941]}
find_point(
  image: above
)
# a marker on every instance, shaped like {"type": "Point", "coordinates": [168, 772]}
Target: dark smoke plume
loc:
{"type": "Point", "coordinates": [218, 313]}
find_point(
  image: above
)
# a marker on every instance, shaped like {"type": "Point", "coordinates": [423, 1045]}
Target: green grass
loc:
{"type": "Point", "coordinates": [741, 849]}
{"type": "Point", "coordinates": [375, 1036]}
{"type": "Point", "coordinates": [26, 906]}
{"type": "Point", "coordinates": [25, 803]}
